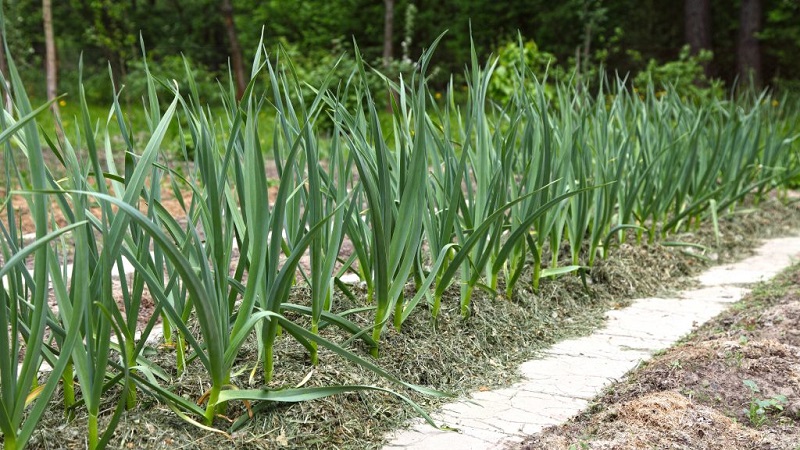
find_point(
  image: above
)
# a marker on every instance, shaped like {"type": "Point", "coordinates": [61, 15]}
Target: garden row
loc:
{"type": "Point", "coordinates": [435, 193]}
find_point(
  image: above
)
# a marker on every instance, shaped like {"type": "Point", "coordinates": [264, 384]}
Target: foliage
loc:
{"type": "Point", "coordinates": [109, 32]}
{"type": "Point", "coordinates": [683, 77]}
{"type": "Point", "coordinates": [781, 38]}
{"type": "Point", "coordinates": [758, 408]}
{"type": "Point", "coordinates": [170, 68]}
{"type": "Point", "coordinates": [518, 56]}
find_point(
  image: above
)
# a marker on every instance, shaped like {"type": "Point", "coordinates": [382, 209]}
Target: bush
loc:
{"type": "Point", "coordinates": [510, 60]}
{"type": "Point", "coordinates": [173, 68]}
{"type": "Point", "coordinates": [684, 77]}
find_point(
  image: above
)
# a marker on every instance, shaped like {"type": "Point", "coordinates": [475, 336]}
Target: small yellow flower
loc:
{"type": "Point", "coordinates": [660, 94]}
{"type": "Point", "coordinates": [437, 95]}
{"type": "Point", "coordinates": [62, 103]}
{"type": "Point", "coordinates": [775, 103]}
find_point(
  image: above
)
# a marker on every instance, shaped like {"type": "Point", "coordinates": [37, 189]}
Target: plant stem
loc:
{"type": "Point", "coordinates": [166, 328]}
{"type": "Point", "coordinates": [493, 280]}
{"type": "Point", "coordinates": [314, 353]}
{"type": "Point", "coordinates": [131, 394]}
{"type": "Point", "coordinates": [93, 434]}
{"type": "Point", "coordinates": [272, 329]}
{"type": "Point", "coordinates": [211, 406]}
{"type": "Point", "coordinates": [10, 442]}
{"type": "Point", "coordinates": [68, 378]}
{"type": "Point", "coordinates": [180, 355]}
{"type": "Point", "coordinates": [398, 311]}
{"type": "Point", "coordinates": [437, 305]}
{"type": "Point", "coordinates": [376, 336]}
{"type": "Point", "coordinates": [465, 301]}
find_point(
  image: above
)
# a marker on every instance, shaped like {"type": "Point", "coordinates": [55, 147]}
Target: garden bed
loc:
{"type": "Point", "coordinates": [456, 356]}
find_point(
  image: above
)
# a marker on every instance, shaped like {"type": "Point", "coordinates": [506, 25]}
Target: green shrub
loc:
{"type": "Point", "coordinates": [509, 59]}
{"type": "Point", "coordinates": [172, 68]}
{"type": "Point", "coordinates": [684, 76]}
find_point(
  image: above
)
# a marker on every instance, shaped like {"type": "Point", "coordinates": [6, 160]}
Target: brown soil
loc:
{"type": "Point", "coordinates": [696, 395]}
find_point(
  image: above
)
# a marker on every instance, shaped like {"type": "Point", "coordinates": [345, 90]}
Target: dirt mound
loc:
{"type": "Point", "coordinates": [781, 323]}
{"type": "Point", "coordinates": [664, 420]}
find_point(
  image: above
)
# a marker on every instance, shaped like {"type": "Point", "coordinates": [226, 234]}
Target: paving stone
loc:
{"type": "Point", "coordinates": [647, 344]}
{"type": "Point", "coordinates": [592, 347]}
{"type": "Point", "coordinates": [580, 377]}
{"type": "Point", "coordinates": [543, 409]}
{"type": "Point", "coordinates": [662, 325]}
{"type": "Point", "coordinates": [651, 325]}
{"type": "Point", "coordinates": [435, 439]}
{"type": "Point", "coordinates": [719, 294]}
{"type": "Point", "coordinates": [676, 306]}
{"type": "Point", "coordinates": [735, 274]}
{"type": "Point", "coordinates": [769, 260]}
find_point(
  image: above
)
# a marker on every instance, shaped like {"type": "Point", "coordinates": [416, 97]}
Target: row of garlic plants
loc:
{"type": "Point", "coordinates": [439, 193]}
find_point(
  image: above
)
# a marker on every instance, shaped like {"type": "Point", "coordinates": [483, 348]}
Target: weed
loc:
{"type": "Point", "coordinates": [759, 408]}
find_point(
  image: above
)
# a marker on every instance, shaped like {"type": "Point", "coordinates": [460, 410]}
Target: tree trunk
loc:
{"type": "Point", "coordinates": [388, 32]}
{"type": "Point", "coordinates": [236, 50]}
{"type": "Point", "coordinates": [388, 48]}
{"type": "Point", "coordinates": [50, 54]}
{"type": "Point", "coordinates": [748, 57]}
{"type": "Point", "coordinates": [697, 28]}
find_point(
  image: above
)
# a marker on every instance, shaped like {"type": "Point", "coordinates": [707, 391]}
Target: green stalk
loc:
{"type": "Point", "coordinates": [466, 298]}
{"type": "Point", "coordinates": [68, 389]}
{"type": "Point", "coordinates": [537, 271]}
{"type": "Point", "coordinates": [180, 353]}
{"type": "Point", "coordinates": [92, 429]}
{"type": "Point", "coordinates": [437, 305]}
{"type": "Point", "coordinates": [399, 307]}
{"type": "Point", "coordinates": [130, 350]}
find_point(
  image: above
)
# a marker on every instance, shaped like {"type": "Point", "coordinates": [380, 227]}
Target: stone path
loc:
{"type": "Point", "coordinates": [571, 373]}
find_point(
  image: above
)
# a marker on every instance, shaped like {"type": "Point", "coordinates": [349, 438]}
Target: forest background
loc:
{"type": "Point", "coordinates": [702, 47]}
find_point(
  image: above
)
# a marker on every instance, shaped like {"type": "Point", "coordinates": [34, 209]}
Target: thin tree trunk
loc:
{"type": "Point", "coordinates": [236, 50]}
{"type": "Point", "coordinates": [388, 32]}
{"type": "Point", "coordinates": [50, 54]}
{"type": "Point", "coordinates": [388, 48]}
{"type": "Point", "coordinates": [697, 28]}
{"type": "Point", "coordinates": [748, 58]}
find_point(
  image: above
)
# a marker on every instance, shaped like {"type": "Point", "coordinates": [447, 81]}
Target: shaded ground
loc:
{"type": "Point", "coordinates": [733, 384]}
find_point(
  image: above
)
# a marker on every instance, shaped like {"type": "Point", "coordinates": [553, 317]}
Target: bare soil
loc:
{"type": "Point", "coordinates": [705, 392]}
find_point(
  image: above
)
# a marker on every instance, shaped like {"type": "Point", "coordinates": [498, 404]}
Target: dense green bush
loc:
{"type": "Point", "coordinates": [514, 57]}
{"type": "Point", "coordinates": [684, 77]}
